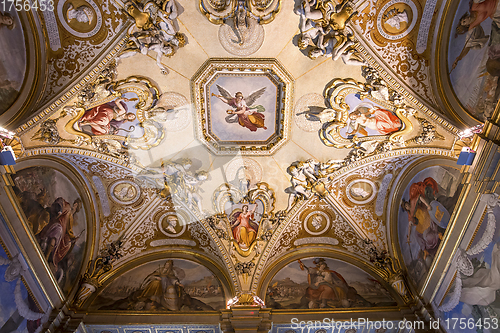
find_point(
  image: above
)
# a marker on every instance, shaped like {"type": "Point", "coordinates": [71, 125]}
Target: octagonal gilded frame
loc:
{"type": "Point", "coordinates": [200, 90]}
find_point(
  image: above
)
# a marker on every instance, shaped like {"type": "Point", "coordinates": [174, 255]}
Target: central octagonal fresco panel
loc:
{"type": "Point", "coordinates": [242, 105]}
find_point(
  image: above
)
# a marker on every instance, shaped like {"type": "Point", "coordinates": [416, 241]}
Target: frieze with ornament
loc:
{"type": "Point", "coordinates": [121, 216]}
{"type": "Point", "coordinates": [289, 235]}
{"type": "Point", "coordinates": [373, 171]}
{"type": "Point", "coordinates": [396, 29]}
{"type": "Point", "coordinates": [148, 223]}
{"type": "Point", "coordinates": [206, 242]}
{"type": "Point", "coordinates": [284, 237]}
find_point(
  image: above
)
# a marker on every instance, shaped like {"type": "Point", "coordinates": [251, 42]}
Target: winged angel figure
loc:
{"type": "Point", "coordinates": [246, 114]}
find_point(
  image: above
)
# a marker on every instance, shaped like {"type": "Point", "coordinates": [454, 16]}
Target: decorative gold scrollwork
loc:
{"type": "Point", "coordinates": [336, 94]}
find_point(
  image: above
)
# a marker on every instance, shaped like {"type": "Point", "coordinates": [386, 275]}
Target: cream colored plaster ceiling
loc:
{"type": "Point", "coordinates": [369, 221]}
{"type": "Point", "coordinates": [311, 77]}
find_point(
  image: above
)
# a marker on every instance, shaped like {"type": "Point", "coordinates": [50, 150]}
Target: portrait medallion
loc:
{"type": "Point", "coordinates": [171, 224]}
{"type": "Point", "coordinates": [124, 192]}
{"type": "Point", "coordinates": [397, 18]}
{"type": "Point", "coordinates": [81, 18]}
{"type": "Point", "coordinates": [317, 223]}
{"type": "Point", "coordinates": [361, 191]}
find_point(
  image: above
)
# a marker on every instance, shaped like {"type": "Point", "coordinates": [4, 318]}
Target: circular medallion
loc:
{"type": "Point", "coordinates": [397, 18]}
{"type": "Point", "coordinates": [307, 112]}
{"type": "Point", "coordinates": [171, 224]}
{"type": "Point", "coordinates": [81, 18]}
{"type": "Point", "coordinates": [243, 41]}
{"type": "Point", "coordinates": [361, 191]}
{"type": "Point", "coordinates": [243, 169]}
{"type": "Point", "coordinates": [177, 112]}
{"type": "Point", "coordinates": [350, 330]}
{"type": "Point", "coordinates": [317, 223]}
{"type": "Point", "coordinates": [322, 330]}
{"type": "Point", "coordinates": [124, 192]}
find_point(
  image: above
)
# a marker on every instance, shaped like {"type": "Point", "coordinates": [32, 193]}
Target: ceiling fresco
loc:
{"type": "Point", "coordinates": [311, 283]}
{"type": "Point", "coordinates": [252, 117]}
{"type": "Point", "coordinates": [424, 216]}
{"type": "Point", "coordinates": [156, 285]}
{"type": "Point", "coordinates": [196, 156]}
{"type": "Point", "coordinates": [468, 50]}
{"type": "Point", "coordinates": [399, 32]}
{"type": "Point", "coordinates": [13, 62]}
{"type": "Point", "coordinates": [62, 40]}
{"type": "Point", "coordinates": [56, 217]}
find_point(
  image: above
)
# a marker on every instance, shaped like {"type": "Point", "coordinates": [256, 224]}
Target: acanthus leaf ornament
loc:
{"type": "Point", "coordinates": [218, 11]}
{"type": "Point", "coordinates": [427, 134]}
{"type": "Point", "coordinates": [48, 131]}
{"type": "Point", "coordinates": [391, 273]}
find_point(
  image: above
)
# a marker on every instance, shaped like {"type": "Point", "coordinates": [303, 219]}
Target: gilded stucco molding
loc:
{"type": "Point", "coordinates": [71, 93]}
{"type": "Point", "coordinates": [402, 90]}
{"type": "Point", "coordinates": [240, 32]}
{"type": "Point", "coordinates": [398, 33]}
{"type": "Point", "coordinates": [336, 94]}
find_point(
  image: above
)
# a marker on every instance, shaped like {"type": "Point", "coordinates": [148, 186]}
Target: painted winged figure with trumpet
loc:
{"type": "Point", "coordinates": [245, 113]}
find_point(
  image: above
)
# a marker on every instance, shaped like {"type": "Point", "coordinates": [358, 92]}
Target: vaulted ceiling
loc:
{"type": "Point", "coordinates": [135, 148]}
